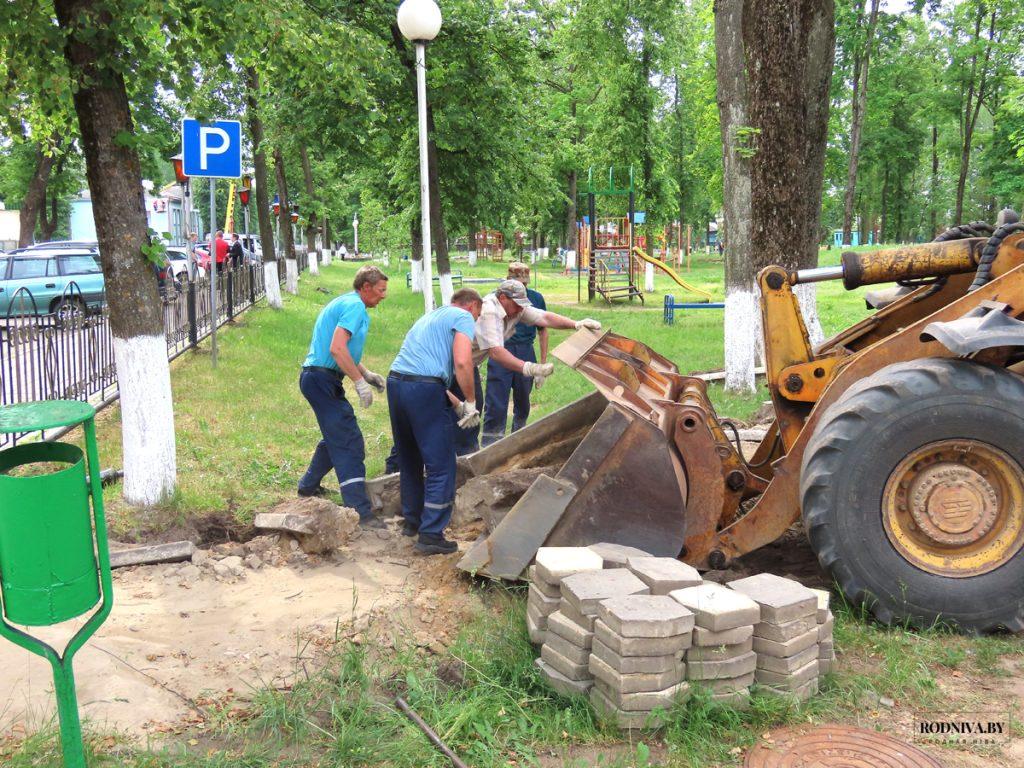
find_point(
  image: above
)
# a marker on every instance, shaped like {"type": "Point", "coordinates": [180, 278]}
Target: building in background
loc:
{"type": "Point", "coordinates": [164, 215]}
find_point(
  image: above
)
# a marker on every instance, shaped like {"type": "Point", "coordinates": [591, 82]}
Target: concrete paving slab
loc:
{"type": "Point", "coordinates": [719, 652]}
{"type": "Point", "coordinates": [790, 681]}
{"type": "Point", "coordinates": [725, 685]}
{"type": "Point", "coordinates": [566, 667]}
{"type": "Point", "coordinates": [664, 574]}
{"type": "Point", "coordinates": [571, 613]}
{"type": "Point", "coordinates": [781, 599]}
{"type": "Point", "coordinates": [549, 590]}
{"type": "Point", "coordinates": [644, 701]}
{"type": "Point", "coordinates": [555, 563]}
{"type": "Point", "coordinates": [636, 682]}
{"type": "Point", "coordinates": [824, 598]}
{"type": "Point", "coordinates": [623, 719]}
{"type": "Point", "coordinates": [560, 683]}
{"type": "Point", "coordinates": [573, 653]}
{"type": "Point", "coordinates": [616, 555]}
{"type": "Point", "coordinates": [628, 665]}
{"type": "Point", "coordinates": [788, 664]}
{"type": "Point", "coordinates": [539, 619]}
{"type": "Point", "coordinates": [584, 591]}
{"type": "Point", "coordinates": [569, 630]}
{"type": "Point", "coordinates": [645, 616]}
{"type": "Point", "coordinates": [780, 633]}
{"type": "Point", "coordinates": [825, 628]}
{"type": "Point", "coordinates": [537, 633]}
{"type": "Point", "coordinates": [718, 608]}
{"type": "Point", "coordinates": [736, 699]}
{"type": "Point", "coordinates": [640, 646]}
{"type": "Point", "coordinates": [802, 693]}
{"type": "Point", "coordinates": [544, 604]}
{"type": "Point", "coordinates": [787, 648]}
{"type": "Point", "coordinates": [705, 637]}
{"type": "Point", "coordinates": [719, 670]}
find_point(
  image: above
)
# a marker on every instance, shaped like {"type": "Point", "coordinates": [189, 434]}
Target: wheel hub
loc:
{"type": "Point", "coordinates": [953, 504]}
{"type": "Point", "coordinates": [955, 507]}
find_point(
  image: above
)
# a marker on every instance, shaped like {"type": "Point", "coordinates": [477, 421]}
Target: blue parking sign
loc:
{"type": "Point", "coordinates": [211, 149]}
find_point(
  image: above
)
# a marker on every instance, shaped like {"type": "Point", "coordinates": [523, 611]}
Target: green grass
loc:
{"type": "Point", "coordinates": [245, 433]}
{"type": "Point", "coordinates": [497, 712]}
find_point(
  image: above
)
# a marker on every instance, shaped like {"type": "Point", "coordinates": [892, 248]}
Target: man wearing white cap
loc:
{"type": "Point", "coordinates": [499, 314]}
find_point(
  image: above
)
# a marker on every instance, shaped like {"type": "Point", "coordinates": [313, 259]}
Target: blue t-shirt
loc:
{"type": "Point", "coordinates": [348, 312]}
{"type": "Point", "coordinates": [525, 334]}
{"type": "Point", "coordinates": [427, 349]}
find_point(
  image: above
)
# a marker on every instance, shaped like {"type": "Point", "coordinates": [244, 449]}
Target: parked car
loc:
{"type": "Point", "coordinates": [46, 274]}
{"type": "Point", "coordinates": [178, 258]}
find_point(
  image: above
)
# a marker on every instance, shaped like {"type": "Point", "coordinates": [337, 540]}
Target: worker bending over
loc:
{"type": "Point", "coordinates": [435, 355]}
{"type": "Point", "coordinates": [499, 314]}
{"type": "Point", "coordinates": [335, 351]}
{"type": "Point", "coordinates": [501, 382]}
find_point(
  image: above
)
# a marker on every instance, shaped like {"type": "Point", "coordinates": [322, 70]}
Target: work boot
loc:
{"type": "Point", "coordinates": [408, 529]}
{"type": "Point", "coordinates": [371, 523]}
{"type": "Point", "coordinates": [318, 491]}
{"type": "Point", "coordinates": [434, 544]}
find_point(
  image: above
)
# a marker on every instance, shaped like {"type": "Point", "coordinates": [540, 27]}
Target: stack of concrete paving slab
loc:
{"type": "Point", "coordinates": [637, 658]}
{"type": "Point", "coordinates": [567, 647]}
{"type": "Point", "coordinates": [551, 565]}
{"type": "Point", "coordinates": [826, 648]}
{"type": "Point", "coordinates": [786, 635]}
{"type": "Point", "coordinates": [721, 658]}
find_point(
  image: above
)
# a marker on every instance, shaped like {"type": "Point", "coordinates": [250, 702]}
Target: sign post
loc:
{"type": "Point", "coordinates": [213, 150]}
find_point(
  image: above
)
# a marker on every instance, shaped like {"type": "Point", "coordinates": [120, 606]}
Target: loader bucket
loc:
{"type": "Point", "coordinates": [625, 483]}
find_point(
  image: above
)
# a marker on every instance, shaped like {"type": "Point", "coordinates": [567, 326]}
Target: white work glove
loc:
{"type": "Point", "coordinates": [375, 380]}
{"type": "Point", "coordinates": [467, 414]}
{"type": "Point", "coordinates": [365, 393]}
{"type": "Point", "coordinates": [538, 369]}
{"type": "Point", "coordinates": [589, 324]}
{"type": "Point", "coordinates": [538, 381]}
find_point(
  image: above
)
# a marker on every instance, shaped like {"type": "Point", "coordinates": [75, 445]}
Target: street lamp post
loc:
{"type": "Point", "coordinates": [419, 22]}
{"type": "Point", "coordinates": [355, 230]}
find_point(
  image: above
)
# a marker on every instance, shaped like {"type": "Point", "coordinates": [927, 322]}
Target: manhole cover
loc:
{"type": "Point", "coordinates": [837, 746]}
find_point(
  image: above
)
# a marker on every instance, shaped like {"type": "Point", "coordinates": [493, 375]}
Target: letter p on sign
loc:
{"type": "Point", "coordinates": [213, 150]}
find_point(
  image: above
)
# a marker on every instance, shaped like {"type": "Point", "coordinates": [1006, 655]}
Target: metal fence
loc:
{"type": "Point", "coordinates": [69, 354]}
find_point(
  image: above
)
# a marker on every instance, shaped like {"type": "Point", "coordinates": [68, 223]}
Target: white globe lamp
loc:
{"type": "Point", "coordinates": [419, 20]}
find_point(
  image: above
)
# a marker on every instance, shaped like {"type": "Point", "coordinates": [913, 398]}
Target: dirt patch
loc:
{"type": "Point", "coordinates": [181, 638]}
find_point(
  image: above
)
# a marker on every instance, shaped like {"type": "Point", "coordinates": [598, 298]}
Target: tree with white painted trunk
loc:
{"type": "Point", "coordinates": [284, 218]}
{"type": "Point", "coordinates": [115, 183]}
{"type": "Point", "coordinates": [774, 68]}
{"type": "Point", "coordinates": [271, 279]}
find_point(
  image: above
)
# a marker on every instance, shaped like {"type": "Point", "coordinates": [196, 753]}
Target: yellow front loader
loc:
{"type": "Point", "coordinates": [900, 441]}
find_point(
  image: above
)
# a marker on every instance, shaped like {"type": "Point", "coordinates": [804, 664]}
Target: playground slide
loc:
{"type": "Point", "coordinates": [671, 273]}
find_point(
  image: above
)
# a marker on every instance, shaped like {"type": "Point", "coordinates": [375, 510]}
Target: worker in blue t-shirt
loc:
{"type": "Point", "coordinates": [501, 381]}
{"type": "Point", "coordinates": [335, 351]}
{"type": "Point", "coordinates": [437, 355]}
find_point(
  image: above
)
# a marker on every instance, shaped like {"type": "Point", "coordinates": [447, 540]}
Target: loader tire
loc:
{"type": "Point", "coordinates": [913, 497]}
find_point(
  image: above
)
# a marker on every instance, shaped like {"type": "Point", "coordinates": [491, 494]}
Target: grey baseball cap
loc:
{"type": "Point", "coordinates": [515, 291]}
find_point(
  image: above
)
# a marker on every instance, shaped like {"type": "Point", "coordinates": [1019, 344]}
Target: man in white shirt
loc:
{"type": "Point", "coordinates": [499, 314]}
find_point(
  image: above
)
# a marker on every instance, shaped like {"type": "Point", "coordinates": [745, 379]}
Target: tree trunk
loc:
{"type": "Point", "coordinates": [271, 277]}
{"type": "Point", "coordinates": [885, 208]}
{"type": "Point", "coordinates": [571, 214]}
{"type": "Point", "coordinates": [860, 98]}
{"type": "Point", "coordinates": [284, 221]}
{"type": "Point", "coordinates": [789, 48]}
{"type": "Point", "coordinates": [35, 196]}
{"type": "Point", "coordinates": [972, 107]}
{"type": "Point", "coordinates": [311, 225]}
{"type": "Point", "coordinates": [48, 224]}
{"type": "Point", "coordinates": [328, 244]}
{"type": "Point", "coordinates": [933, 214]}
{"type": "Point", "coordinates": [742, 319]}
{"type": "Point", "coordinates": [115, 183]}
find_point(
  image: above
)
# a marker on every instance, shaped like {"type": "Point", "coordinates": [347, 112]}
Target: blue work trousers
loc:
{"type": "Point", "coordinates": [467, 440]}
{"type": "Point", "coordinates": [500, 382]}
{"type": "Point", "coordinates": [342, 444]}
{"type": "Point", "coordinates": [424, 434]}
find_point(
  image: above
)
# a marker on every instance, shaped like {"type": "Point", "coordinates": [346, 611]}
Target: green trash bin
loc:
{"type": "Point", "coordinates": [54, 557]}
